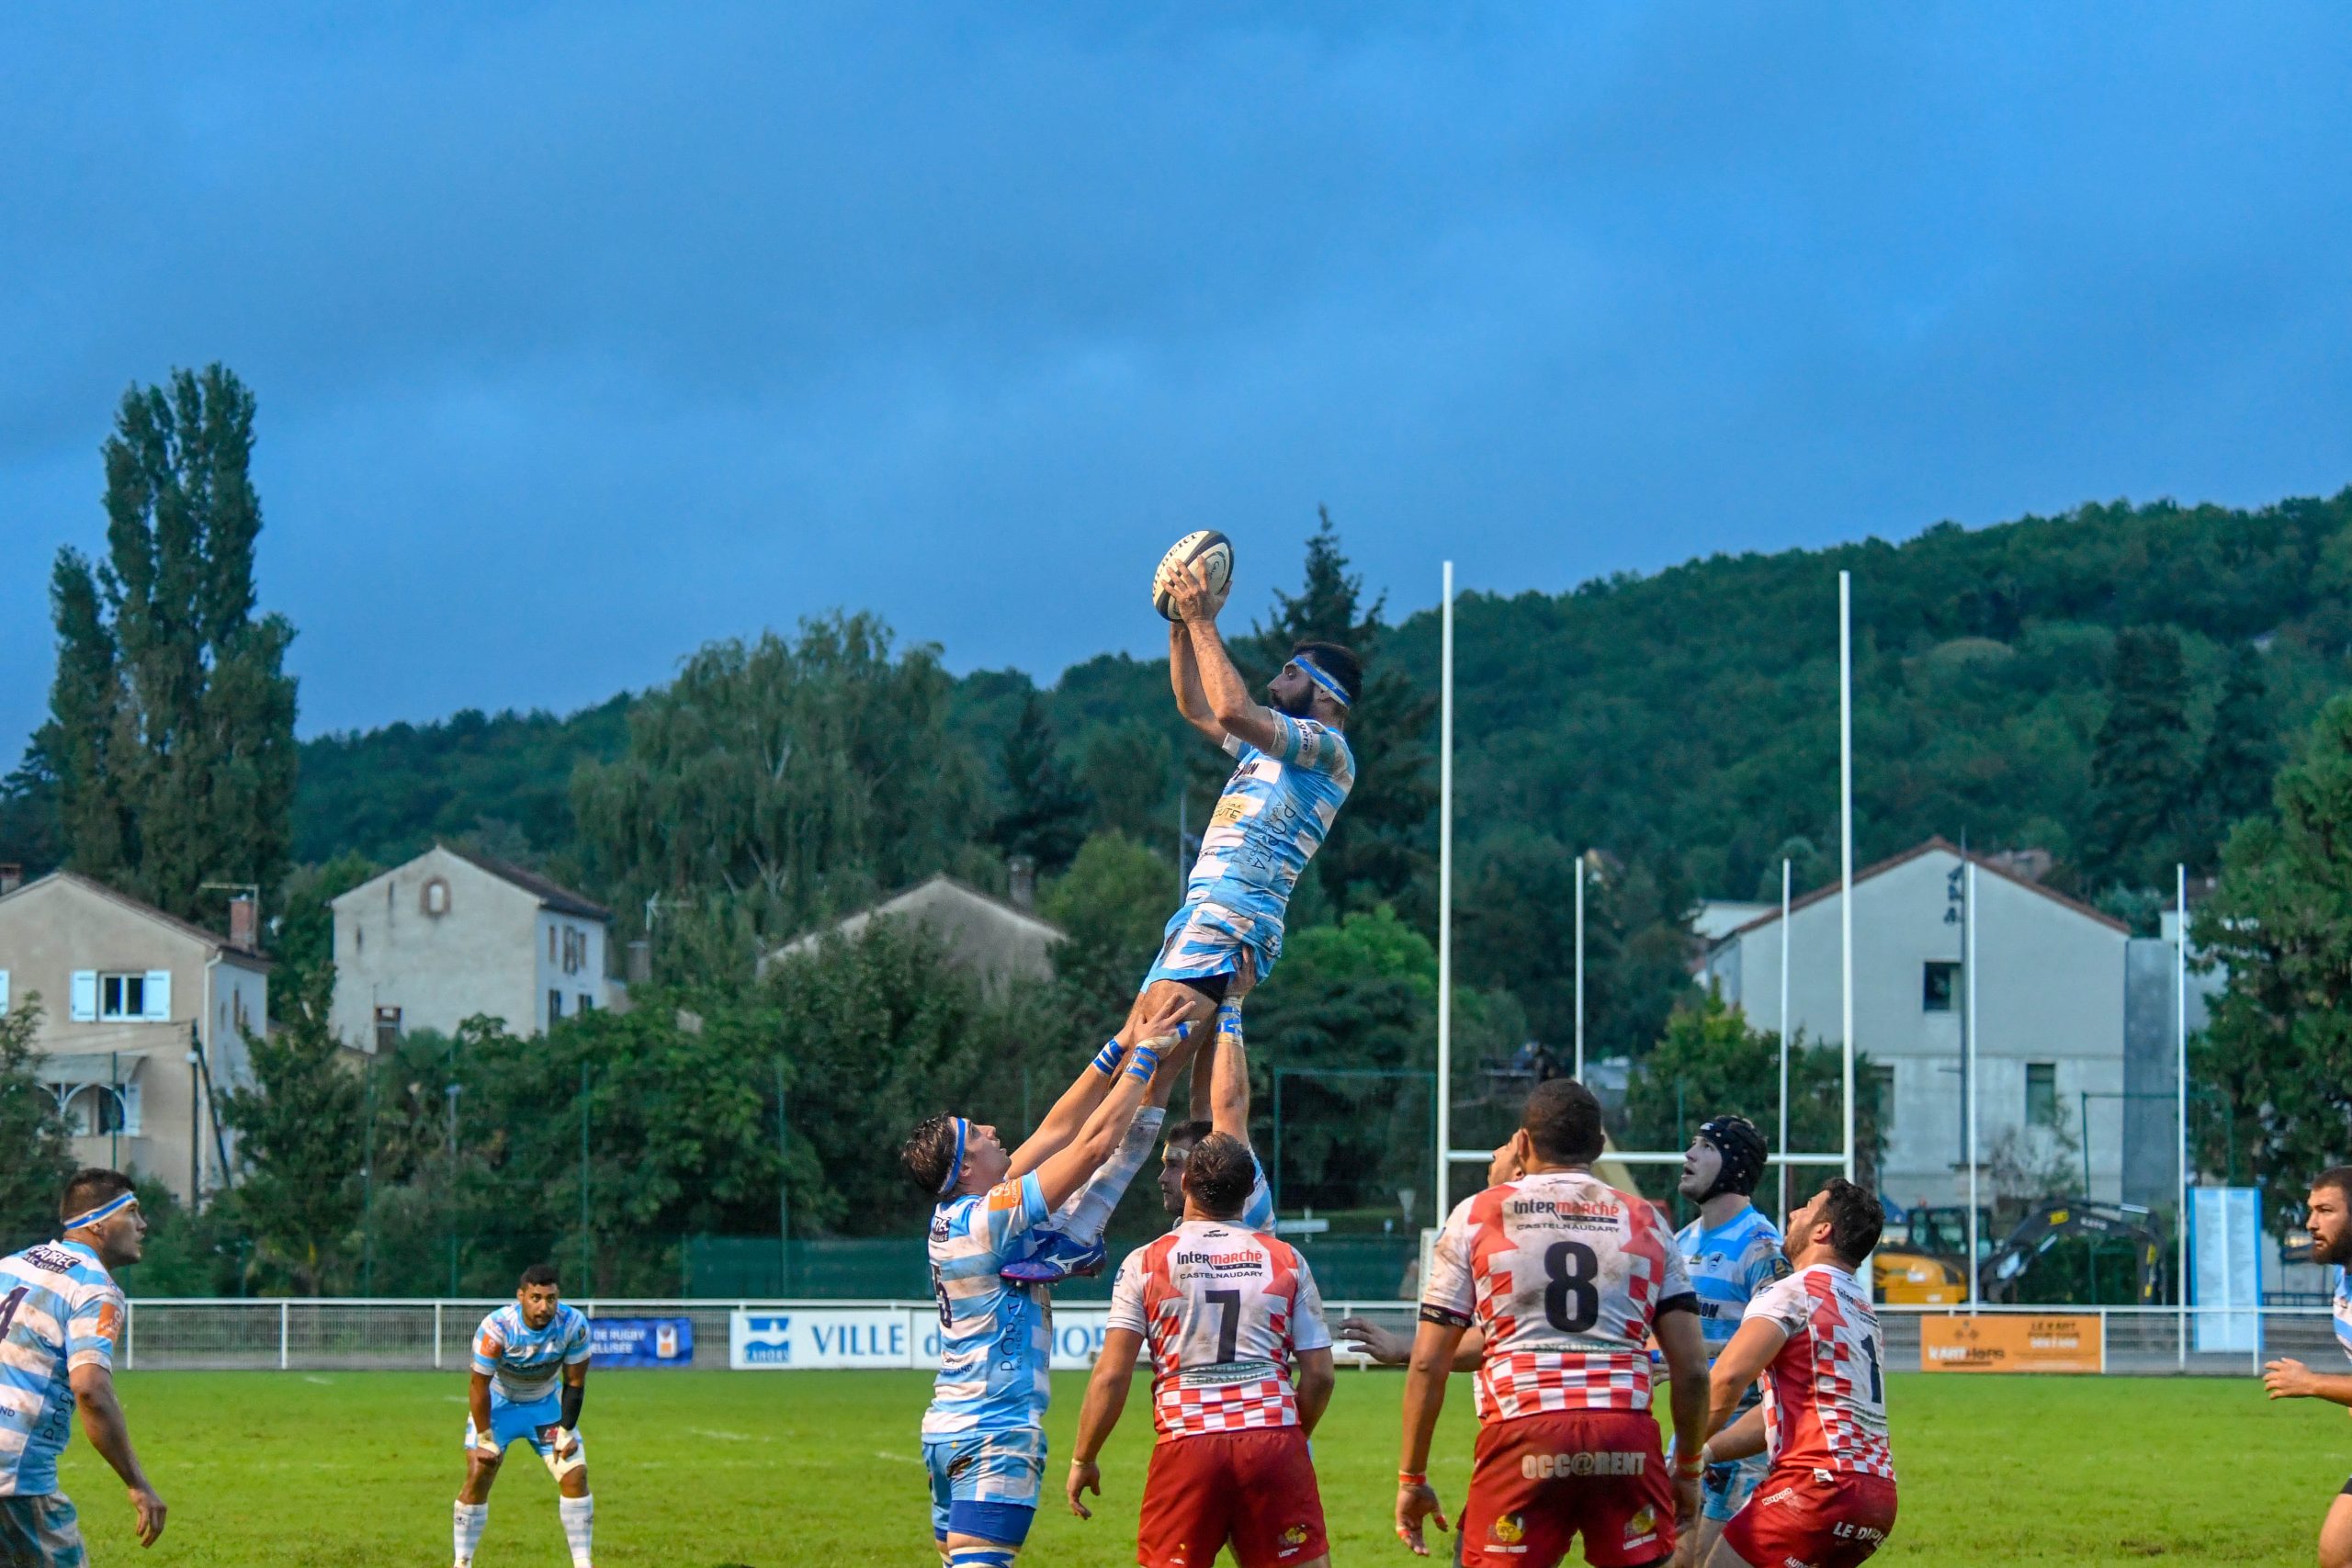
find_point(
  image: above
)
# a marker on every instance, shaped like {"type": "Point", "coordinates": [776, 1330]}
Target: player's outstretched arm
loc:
{"type": "Point", "coordinates": [1230, 1075]}
{"type": "Point", "coordinates": [1067, 1169]}
{"type": "Point", "coordinates": [2288, 1379]}
{"type": "Point", "coordinates": [1740, 1364]}
{"type": "Point", "coordinates": [1387, 1347]}
{"type": "Point", "coordinates": [1106, 1399]}
{"type": "Point", "coordinates": [1085, 1092]}
{"type": "Point", "coordinates": [1228, 695]}
{"type": "Point", "coordinates": [111, 1435]}
{"type": "Point", "coordinates": [1433, 1358]}
{"type": "Point", "coordinates": [1185, 676]}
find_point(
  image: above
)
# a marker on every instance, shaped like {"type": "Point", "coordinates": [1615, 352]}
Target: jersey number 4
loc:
{"type": "Point", "coordinates": [1572, 1300]}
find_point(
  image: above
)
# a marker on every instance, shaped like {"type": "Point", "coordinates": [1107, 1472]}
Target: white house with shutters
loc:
{"type": "Point", "coordinates": [144, 1020]}
{"type": "Point", "coordinates": [451, 935]}
{"type": "Point", "coordinates": [2050, 1025]}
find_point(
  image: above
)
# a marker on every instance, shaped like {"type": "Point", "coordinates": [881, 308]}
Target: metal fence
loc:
{"type": "Point", "coordinates": [305, 1334]}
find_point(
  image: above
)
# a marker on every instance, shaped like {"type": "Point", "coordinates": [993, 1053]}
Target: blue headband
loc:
{"type": "Point", "coordinates": [956, 1166]}
{"type": "Point", "coordinates": [1320, 679]}
{"type": "Point", "coordinates": [122, 1201]}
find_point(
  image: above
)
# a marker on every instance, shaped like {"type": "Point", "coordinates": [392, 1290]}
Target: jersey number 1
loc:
{"type": "Point", "coordinates": [1571, 1303]}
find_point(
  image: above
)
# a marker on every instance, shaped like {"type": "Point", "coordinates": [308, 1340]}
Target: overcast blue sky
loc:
{"type": "Point", "coordinates": [584, 334]}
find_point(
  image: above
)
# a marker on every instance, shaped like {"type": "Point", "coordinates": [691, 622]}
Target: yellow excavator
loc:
{"type": "Point", "coordinates": [1923, 1268]}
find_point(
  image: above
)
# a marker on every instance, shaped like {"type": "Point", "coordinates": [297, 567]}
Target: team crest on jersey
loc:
{"type": "Point", "coordinates": [1782, 1267]}
{"type": "Point", "coordinates": [1642, 1525]}
{"type": "Point", "coordinates": [1509, 1529]}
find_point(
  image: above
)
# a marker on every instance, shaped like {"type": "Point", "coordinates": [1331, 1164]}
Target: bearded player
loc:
{"type": "Point", "coordinates": [1292, 771]}
{"type": "Point", "coordinates": [1827, 1499]}
{"type": "Point", "coordinates": [984, 1433]}
{"type": "Point", "coordinates": [60, 1313]}
{"type": "Point", "coordinates": [522, 1352]}
{"type": "Point", "coordinates": [2328, 1220]}
{"type": "Point", "coordinates": [1567, 1279]}
{"type": "Point", "coordinates": [1731, 1252]}
{"type": "Point", "coordinates": [1226, 1310]}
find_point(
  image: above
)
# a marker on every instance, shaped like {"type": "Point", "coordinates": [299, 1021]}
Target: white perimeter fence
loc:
{"type": "Point", "coordinates": [304, 1334]}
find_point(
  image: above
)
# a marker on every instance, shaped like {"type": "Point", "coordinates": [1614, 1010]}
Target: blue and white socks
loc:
{"type": "Point", "coordinates": [579, 1524]}
{"type": "Point", "coordinates": [471, 1518]}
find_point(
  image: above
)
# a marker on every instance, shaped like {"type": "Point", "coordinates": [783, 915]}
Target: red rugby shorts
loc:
{"type": "Point", "coordinates": [1542, 1479]}
{"type": "Point", "coordinates": [1253, 1490]}
{"type": "Point", "coordinates": [1817, 1516]}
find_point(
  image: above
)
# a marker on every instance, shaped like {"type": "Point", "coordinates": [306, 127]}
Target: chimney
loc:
{"type": "Point", "coordinates": [244, 924]}
{"type": "Point", "coordinates": [1021, 877]}
{"type": "Point", "coordinates": [12, 876]}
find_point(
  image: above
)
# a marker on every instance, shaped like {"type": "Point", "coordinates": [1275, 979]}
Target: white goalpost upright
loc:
{"type": "Point", "coordinates": [1447, 1154]}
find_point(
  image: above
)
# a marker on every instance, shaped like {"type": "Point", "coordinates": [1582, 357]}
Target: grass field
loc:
{"type": "Point", "coordinates": [693, 1469]}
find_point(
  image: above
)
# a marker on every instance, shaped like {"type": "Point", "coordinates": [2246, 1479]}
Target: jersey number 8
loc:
{"type": "Point", "coordinates": [1571, 1302]}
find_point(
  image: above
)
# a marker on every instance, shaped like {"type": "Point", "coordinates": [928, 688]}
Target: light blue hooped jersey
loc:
{"type": "Point", "coordinates": [521, 1362]}
{"type": "Point", "coordinates": [59, 1310]}
{"type": "Point", "coordinates": [996, 1336]}
{"type": "Point", "coordinates": [1728, 1267]}
{"type": "Point", "coordinates": [2343, 1307]}
{"type": "Point", "coordinates": [1273, 816]}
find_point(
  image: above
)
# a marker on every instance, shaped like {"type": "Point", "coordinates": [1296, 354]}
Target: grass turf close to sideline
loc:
{"type": "Point", "coordinates": [702, 1469]}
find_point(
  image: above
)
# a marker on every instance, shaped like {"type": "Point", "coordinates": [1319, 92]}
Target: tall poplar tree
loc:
{"type": "Point", "coordinates": [2143, 770]}
{"type": "Point", "coordinates": [1374, 850]}
{"type": "Point", "coordinates": [2241, 755]}
{"type": "Point", "coordinates": [170, 727]}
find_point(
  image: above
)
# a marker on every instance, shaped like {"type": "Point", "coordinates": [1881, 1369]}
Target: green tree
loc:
{"type": "Point", "coordinates": [1127, 769]}
{"type": "Point", "coordinates": [2143, 772]}
{"type": "Point", "coordinates": [1375, 849]}
{"type": "Point", "coordinates": [2278, 1046]}
{"type": "Point", "coordinates": [2241, 755]}
{"type": "Point", "coordinates": [32, 1132]}
{"type": "Point", "coordinates": [773, 782]}
{"type": "Point", "coordinates": [1713, 1062]}
{"type": "Point", "coordinates": [1045, 810]}
{"type": "Point", "coordinates": [1113, 904]}
{"type": "Point", "coordinates": [301, 981]}
{"type": "Point", "coordinates": [30, 836]}
{"type": "Point", "coordinates": [300, 1131]}
{"type": "Point", "coordinates": [171, 725]}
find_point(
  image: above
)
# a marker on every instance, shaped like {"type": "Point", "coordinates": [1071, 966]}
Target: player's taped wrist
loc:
{"type": "Point", "coordinates": [1107, 1060]}
{"type": "Point", "coordinates": [1412, 1478]}
{"type": "Point", "coordinates": [1142, 1062]}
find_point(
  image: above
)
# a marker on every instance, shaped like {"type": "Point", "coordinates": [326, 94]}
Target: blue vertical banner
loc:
{"type": "Point", "coordinates": [2225, 1268]}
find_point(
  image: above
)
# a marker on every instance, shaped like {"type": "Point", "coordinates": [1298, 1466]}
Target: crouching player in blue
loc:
{"type": "Point", "coordinates": [1731, 1252]}
{"type": "Point", "coordinates": [984, 1434]}
{"type": "Point", "coordinates": [60, 1313]}
{"type": "Point", "coordinates": [521, 1351]}
{"type": "Point", "coordinates": [1291, 773]}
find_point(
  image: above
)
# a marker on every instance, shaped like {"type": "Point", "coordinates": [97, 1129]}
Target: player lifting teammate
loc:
{"type": "Point", "coordinates": [1291, 773]}
{"type": "Point", "coordinates": [1827, 1499]}
{"type": "Point", "coordinates": [521, 1352]}
{"type": "Point", "coordinates": [1229, 1113]}
{"type": "Point", "coordinates": [1567, 1279]}
{"type": "Point", "coordinates": [60, 1314]}
{"type": "Point", "coordinates": [2328, 1220]}
{"type": "Point", "coordinates": [1226, 1309]}
{"type": "Point", "coordinates": [984, 1434]}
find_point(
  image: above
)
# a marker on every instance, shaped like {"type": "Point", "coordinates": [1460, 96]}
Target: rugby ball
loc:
{"type": "Point", "coordinates": [1208, 553]}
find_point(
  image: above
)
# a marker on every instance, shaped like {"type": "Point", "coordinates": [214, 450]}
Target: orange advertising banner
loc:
{"type": "Point", "coordinates": [2005, 1342]}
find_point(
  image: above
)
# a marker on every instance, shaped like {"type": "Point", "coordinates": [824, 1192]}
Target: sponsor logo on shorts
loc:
{"type": "Point", "coordinates": [1546, 1467]}
{"type": "Point", "coordinates": [1642, 1526]}
{"type": "Point", "coordinates": [1293, 1540]}
{"type": "Point", "coordinates": [1785, 1494]}
{"type": "Point", "coordinates": [1510, 1530]}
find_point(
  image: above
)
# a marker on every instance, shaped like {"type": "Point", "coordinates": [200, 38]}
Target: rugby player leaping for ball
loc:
{"type": "Point", "coordinates": [1291, 771]}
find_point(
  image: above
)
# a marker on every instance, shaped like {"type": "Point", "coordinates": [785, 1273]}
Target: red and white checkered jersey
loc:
{"type": "Point", "coordinates": [1223, 1308]}
{"type": "Point", "coordinates": [1825, 1394]}
{"type": "Point", "coordinates": [1565, 1274]}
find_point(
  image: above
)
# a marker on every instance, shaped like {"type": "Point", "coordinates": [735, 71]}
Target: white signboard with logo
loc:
{"type": "Point", "coordinates": [805, 1338]}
